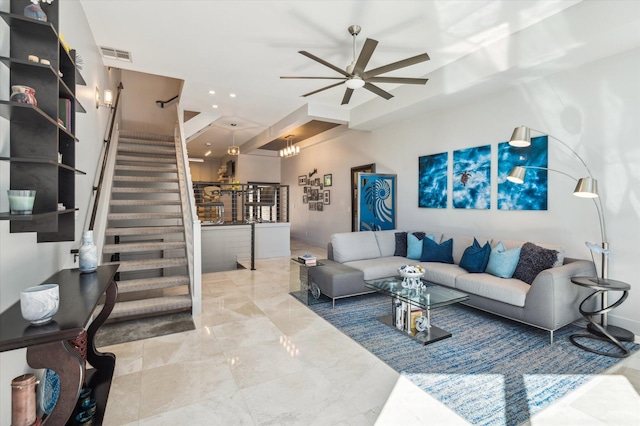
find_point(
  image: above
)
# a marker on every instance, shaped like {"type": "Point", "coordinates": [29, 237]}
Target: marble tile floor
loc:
{"type": "Point", "coordinates": [259, 357]}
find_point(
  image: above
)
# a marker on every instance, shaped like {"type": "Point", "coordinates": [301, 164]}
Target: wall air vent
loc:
{"type": "Point", "coordinates": [115, 54]}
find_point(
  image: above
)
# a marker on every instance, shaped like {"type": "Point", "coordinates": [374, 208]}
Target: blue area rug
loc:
{"type": "Point", "coordinates": [492, 371]}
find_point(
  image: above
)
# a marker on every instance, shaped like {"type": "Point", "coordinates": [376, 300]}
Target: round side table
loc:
{"type": "Point", "coordinates": [603, 331]}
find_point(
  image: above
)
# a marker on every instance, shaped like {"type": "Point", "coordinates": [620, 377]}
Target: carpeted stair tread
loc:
{"type": "Point", "coordinates": [144, 202]}
{"type": "Point", "coordinates": [130, 134]}
{"type": "Point", "coordinates": [148, 215]}
{"type": "Point", "coordinates": [126, 189]}
{"type": "Point", "coordinates": [141, 247]}
{"type": "Point", "coordinates": [152, 142]}
{"type": "Point", "coordinates": [151, 306]}
{"type": "Point", "coordinates": [150, 169]}
{"type": "Point", "coordinates": [146, 264]}
{"type": "Point", "coordinates": [144, 179]}
{"type": "Point", "coordinates": [140, 159]}
{"type": "Point", "coordinates": [146, 150]}
{"type": "Point", "coordinates": [144, 284]}
{"type": "Point", "coordinates": [144, 230]}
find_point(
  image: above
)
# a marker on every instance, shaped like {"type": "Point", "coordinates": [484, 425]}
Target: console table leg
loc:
{"type": "Point", "coordinates": [98, 359]}
{"type": "Point", "coordinates": [68, 364]}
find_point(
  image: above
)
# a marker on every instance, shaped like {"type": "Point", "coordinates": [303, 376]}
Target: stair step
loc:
{"type": "Point", "coordinates": [128, 286]}
{"type": "Point", "coordinates": [151, 306]}
{"type": "Point", "coordinates": [146, 150]}
{"type": "Point", "coordinates": [159, 169]}
{"type": "Point", "coordinates": [144, 179]}
{"type": "Point", "coordinates": [130, 134]}
{"type": "Point", "coordinates": [149, 215]}
{"type": "Point", "coordinates": [151, 142]}
{"type": "Point", "coordinates": [143, 230]}
{"type": "Point", "coordinates": [137, 159]}
{"type": "Point", "coordinates": [130, 190]}
{"type": "Point", "coordinates": [144, 202]}
{"type": "Point", "coordinates": [142, 247]}
{"type": "Point", "coordinates": [146, 264]}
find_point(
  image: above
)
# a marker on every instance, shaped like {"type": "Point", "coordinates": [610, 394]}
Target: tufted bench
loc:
{"type": "Point", "coordinates": [336, 280]}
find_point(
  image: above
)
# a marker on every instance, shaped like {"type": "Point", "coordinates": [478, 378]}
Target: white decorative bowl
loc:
{"type": "Point", "coordinates": [40, 303]}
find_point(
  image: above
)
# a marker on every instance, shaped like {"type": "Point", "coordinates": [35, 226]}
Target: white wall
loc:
{"type": "Point", "coordinates": [24, 262]}
{"type": "Point", "coordinates": [592, 108]}
{"type": "Point", "coordinates": [207, 171]}
{"type": "Point", "coordinates": [259, 166]}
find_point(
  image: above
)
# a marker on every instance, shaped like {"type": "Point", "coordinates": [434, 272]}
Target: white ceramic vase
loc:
{"type": "Point", "coordinates": [88, 253]}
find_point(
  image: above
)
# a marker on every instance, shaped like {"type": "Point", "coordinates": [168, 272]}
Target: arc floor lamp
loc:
{"type": "Point", "coordinates": [586, 187]}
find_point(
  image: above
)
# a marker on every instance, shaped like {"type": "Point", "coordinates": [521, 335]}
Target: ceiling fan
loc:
{"type": "Point", "coordinates": [355, 75]}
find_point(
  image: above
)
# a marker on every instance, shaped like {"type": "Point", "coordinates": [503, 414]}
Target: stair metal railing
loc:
{"type": "Point", "coordinates": [105, 149]}
{"type": "Point", "coordinates": [97, 187]}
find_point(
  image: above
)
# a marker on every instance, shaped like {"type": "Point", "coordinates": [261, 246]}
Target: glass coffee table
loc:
{"type": "Point", "coordinates": [411, 308]}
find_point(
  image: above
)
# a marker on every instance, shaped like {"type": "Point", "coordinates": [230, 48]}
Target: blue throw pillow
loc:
{"type": "Point", "coordinates": [414, 247]}
{"type": "Point", "coordinates": [475, 258]}
{"type": "Point", "coordinates": [434, 252]}
{"type": "Point", "coordinates": [503, 262]}
{"type": "Point", "coordinates": [414, 244]}
{"type": "Point", "coordinates": [401, 244]}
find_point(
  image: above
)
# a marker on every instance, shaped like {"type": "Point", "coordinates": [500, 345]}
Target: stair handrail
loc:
{"type": "Point", "coordinates": [190, 218]}
{"type": "Point", "coordinates": [105, 150]}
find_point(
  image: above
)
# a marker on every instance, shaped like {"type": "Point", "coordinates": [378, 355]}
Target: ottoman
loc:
{"type": "Point", "coordinates": [336, 280]}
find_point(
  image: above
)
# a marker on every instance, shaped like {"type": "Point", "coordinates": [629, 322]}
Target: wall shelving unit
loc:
{"type": "Point", "coordinates": [36, 136]}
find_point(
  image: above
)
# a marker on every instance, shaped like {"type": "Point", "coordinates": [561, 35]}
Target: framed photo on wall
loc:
{"type": "Point", "coordinates": [326, 195]}
{"type": "Point", "coordinates": [305, 199]}
{"type": "Point", "coordinates": [302, 180]}
{"type": "Point", "coordinates": [319, 206]}
{"type": "Point", "coordinates": [328, 180]}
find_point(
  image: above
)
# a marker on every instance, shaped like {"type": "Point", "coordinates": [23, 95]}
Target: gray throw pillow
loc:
{"type": "Point", "coordinates": [533, 260]}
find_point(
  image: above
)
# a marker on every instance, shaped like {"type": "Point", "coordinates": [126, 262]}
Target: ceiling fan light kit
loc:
{"type": "Point", "coordinates": [355, 75]}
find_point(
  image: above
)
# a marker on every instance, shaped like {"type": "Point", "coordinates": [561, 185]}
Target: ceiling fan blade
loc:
{"type": "Point", "coordinates": [314, 78]}
{"type": "Point", "coordinates": [396, 65]}
{"type": "Point", "coordinates": [365, 55]}
{"type": "Point", "coordinates": [324, 88]}
{"type": "Point", "coordinates": [347, 96]}
{"type": "Point", "coordinates": [325, 63]}
{"type": "Point", "coordinates": [378, 91]}
{"type": "Point", "coordinates": [400, 80]}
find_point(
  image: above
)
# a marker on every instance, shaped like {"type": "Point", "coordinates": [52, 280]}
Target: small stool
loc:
{"type": "Point", "coordinates": [219, 209]}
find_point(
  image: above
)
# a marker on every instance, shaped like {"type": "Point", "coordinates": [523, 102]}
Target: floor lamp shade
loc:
{"type": "Point", "coordinates": [521, 137]}
{"type": "Point", "coordinates": [587, 187]}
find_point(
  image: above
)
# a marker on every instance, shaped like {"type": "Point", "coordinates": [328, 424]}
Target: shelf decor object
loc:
{"type": "Point", "coordinates": [40, 303]}
{"type": "Point", "coordinates": [21, 200]}
{"type": "Point", "coordinates": [88, 253]}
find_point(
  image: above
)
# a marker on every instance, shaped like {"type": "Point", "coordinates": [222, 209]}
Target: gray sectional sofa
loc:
{"type": "Point", "coordinates": [549, 303]}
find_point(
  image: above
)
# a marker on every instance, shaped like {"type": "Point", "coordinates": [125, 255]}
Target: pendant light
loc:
{"type": "Point", "coordinates": [291, 150]}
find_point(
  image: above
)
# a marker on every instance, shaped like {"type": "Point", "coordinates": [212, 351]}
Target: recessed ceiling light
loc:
{"type": "Point", "coordinates": [208, 153]}
{"type": "Point", "coordinates": [233, 95]}
{"type": "Point", "coordinates": [214, 106]}
{"type": "Point", "coordinates": [208, 144]}
{"type": "Point", "coordinates": [212, 92]}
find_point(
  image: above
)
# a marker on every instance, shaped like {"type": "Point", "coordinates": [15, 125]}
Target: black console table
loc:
{"type": "Point", "coordinates": [603, 331]}
{"type": "Point", "coordinates": [48, 347]}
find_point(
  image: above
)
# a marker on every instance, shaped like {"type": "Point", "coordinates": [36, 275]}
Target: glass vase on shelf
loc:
{"type": "Point", "coordinates": [34, 10]}
{"type": "Point", "coordinates": [88, 253]}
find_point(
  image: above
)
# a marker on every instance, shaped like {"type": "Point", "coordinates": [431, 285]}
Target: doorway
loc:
{"type": "Point", "coordinates": [367, 168]}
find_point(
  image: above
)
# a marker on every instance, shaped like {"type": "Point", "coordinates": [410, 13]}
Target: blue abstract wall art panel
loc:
{"type": "Point", "coordinates": [472, 178]}
{"type": "Point", "coordinates": [532, 194]}
{"type": "Point", "coordinates": [377, 194]}
{"type": "Point", "coordinates": [433, 171]}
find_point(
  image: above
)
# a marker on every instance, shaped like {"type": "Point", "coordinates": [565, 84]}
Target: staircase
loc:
{"type": "Point", "coordinates": [145, 232]}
